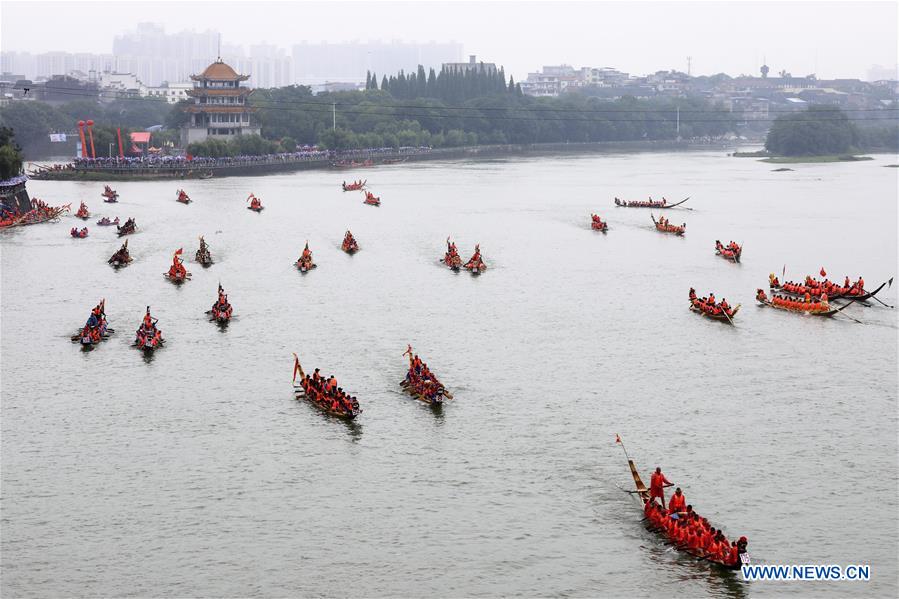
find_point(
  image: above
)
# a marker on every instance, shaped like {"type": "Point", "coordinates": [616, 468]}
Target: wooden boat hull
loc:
{"type": "Point", "coordinates": [177, 278]}
{"type": "Point", "coordinates": [436, 401]}
{"type": "Point", "coordinates": [719, 317]}
{"type": "Point", "coordinates": [731, 257]}
{"type": "Point", "coordinates": [625, 204]}
{"type": "Point", "coordinates": [304, 269]}
{"type": "Point", "coordinates": [300, 393]}
{"type": "Point", "coordinates": [259, 209]}
{"type": "Point", "coordinates": [810, 313]}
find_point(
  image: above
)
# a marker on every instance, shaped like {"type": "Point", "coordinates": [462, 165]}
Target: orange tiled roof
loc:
{"type": "Point", "coordinates": [219, 71]}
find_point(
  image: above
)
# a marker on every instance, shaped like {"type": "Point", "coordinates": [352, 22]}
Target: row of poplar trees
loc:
{"type": "Point", "coordinates": [452, 85]}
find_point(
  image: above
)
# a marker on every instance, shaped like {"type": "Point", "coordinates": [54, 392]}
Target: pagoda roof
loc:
{"type": "Point", "coordinates": [218, 91]}
{"type": "Point", "coordinates": [219, 71]}
{"type": "Point", "coordinates": [220, 108]}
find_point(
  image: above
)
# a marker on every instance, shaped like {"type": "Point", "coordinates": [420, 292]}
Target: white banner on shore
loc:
{"type": "Point", "coordinates": [55, 137]}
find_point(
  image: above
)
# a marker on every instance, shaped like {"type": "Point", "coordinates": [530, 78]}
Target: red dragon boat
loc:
{"type": "Point", "coordinates": [183, 197]}
{"type": "Point", "coordinates": [354, 186]}
{"type": "Point", "coordinates": [324, 394]}
{"type": "Point", "coordinates": [650, 203]}
{"type": "Point", "coordinates": [371, 199]}
{"type": "Point", "coordinates": [349, 244]}
{"type": "Point", "coordinates": [305, 263]}
{"type": "Point", "coordinates": [731, 251]}
{"type": "Point", "coordinates": [598, 224]}
{"type": "Point", "coordinates": [666, 227]}
{"type": "Point", "coordinates": [78, 234]}
{"type": "Point", "coordinates": [177, 273]}
{"type": "Point", "coordinates": [475, 264]}
{"type": "Point", "coordinates": [110, 196]}
{"type": "Point", "coordinates": [83, 213]}
{"type": "Point", "coordinates": [221, 310]}
{"type": "Point", "coordinates": [421, 384]}
{"type": "Point", "coordinates": [452, 259]}
{"type": "Point", "coordinates": [148, 336]}
{"type": "Point", "coordinates": [255, 204]}
{"type": "Point", "coordinates": [685, 529]}
{"type": "Point", "coordinates": [708, 307]}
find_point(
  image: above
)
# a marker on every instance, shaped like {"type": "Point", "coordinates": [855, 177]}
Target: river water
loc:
{"type": "Point", "coordinates": [196, 473]}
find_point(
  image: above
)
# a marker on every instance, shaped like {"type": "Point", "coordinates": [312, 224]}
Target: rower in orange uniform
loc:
{"type": "Point", "coordinates": [677, 503]}
{"type": "Point", "coordinates": [657, 484]}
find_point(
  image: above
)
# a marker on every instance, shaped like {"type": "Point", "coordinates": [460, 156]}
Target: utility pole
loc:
{"type": "Point", "coordinates": [334, 116]}
{"type": "Point", "coordinates": [678, 121]}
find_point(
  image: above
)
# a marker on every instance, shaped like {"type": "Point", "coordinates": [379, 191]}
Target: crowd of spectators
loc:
{"type": "Point", "coordinates": [186, 161]}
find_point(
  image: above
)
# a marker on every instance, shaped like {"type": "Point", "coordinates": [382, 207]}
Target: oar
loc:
{"type": "Point", "coordinates": [889, 284]}
{"type": "Point", "coordinates": [729, 319]}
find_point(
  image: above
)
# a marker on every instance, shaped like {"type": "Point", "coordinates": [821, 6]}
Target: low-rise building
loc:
{"type": "Point", "coordinates": [171, 92]}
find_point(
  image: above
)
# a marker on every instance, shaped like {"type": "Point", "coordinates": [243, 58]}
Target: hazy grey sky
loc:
{"type": "Point", "coordinates": [831, 39]}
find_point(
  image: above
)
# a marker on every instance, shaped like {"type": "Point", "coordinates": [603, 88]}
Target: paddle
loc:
{"type": "Point", "coordinates": [890, 284]}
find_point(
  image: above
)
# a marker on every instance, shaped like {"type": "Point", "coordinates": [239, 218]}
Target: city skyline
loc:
{"type": "Point", "coordinates": [567, 33]}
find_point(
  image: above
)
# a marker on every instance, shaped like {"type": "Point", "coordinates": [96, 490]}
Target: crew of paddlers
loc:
{"type": "Point", "coordinates": [325, 393]}
{"type": "Point", "coordinates": [795, 304]}
{"type": "Point", "coordinates": [96, 328]}
{"type": "Point", "coordinates": [650, 203]}
{"type": "Point", "coordinates": [305, 262]}
{"type": "Point", "coordinates": [40, 213]}
{"type": "Point", "coordinates": [452, 259]}
{"type": "Point", "coordinates": [816, 288]}
{"type": "Point", "coordinates": [148, 336]}
{"type": "Point", "coordinates": [110, 195]}
{"type": "Point", "coordinates": [255, 203]}
{"type": "Point", "coordinates": [597, 223]}
{"type": "Point", "coordinates": [105, 222]}
{"type": "Point", "coordinates": [664, 225]}
{"type": "Point", "coordinates": [221, 309]}
{"type": "Point", "coordinates": [183, 197]}
{"type": "Point", "coordinates": [78, 233]}
{"type": "Point", "coordinates": [420, 382]}
{"type": "Point", "coordinates": [731, 251]}
{"type": "Point", "coordinates": [121, 257]}
{"type": "Point", "coordinates": [708, 305]}
{"type": "Point", "coordinates": [371, 199]}
{"type": "Point", "coordinates": [349, 244]}
{"type": "Point", "coordinates": [83, 213]}
{"type": "Point", "coordinates": [128, 228]}
{"type": "Point", "coordinates": [476, 264]}
{"type": "Point", "coordinates": [177, 273]}
{"type": "Point", "coordinates": [689, 531]}
{"type": "Point", "coordinates": [354, 186]}
{"type": "Point", "coordinates": [204, 256]}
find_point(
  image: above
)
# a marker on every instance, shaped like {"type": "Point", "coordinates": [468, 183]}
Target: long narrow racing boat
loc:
{"type": "Point", "coordinates": [657, 204]}
{"type": "Point", "coordinates": [321, 394]}
{"type": "Point", "coordinates": [666, 227]}
{"type": "Point", "coordinates": [737, 555]}
{"type": "Point", "coordinates": [421, 384]}
{"type": "Point", "coordinates": [811, 308]}
{"type": "Point", "coordinates": [849, 293]}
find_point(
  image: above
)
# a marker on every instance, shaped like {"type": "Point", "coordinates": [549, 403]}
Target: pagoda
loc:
{"type": "Point", "coordinates": [219, 109]}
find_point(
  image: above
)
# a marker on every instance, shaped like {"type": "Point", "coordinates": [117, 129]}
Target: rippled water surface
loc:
{"type": "Point", "coordinates": [196, 473]}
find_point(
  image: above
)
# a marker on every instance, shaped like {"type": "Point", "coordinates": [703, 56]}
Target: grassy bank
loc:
{"type": "Point", "coordinates": [801, 159]}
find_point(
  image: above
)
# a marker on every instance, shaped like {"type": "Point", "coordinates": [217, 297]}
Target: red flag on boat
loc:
{"type": "Point", "coordinates": [823, 272]}
{"type": "Point", "coordinates": [296, 367]}
{"type": "Point", "coordinates": [617, 438]}
{"type": "Point", "coordinates": [179, 251]}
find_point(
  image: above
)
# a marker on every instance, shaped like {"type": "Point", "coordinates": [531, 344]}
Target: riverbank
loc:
{"type": "Point", "coordinates": [810, 159]}
{"type": "Point", "coordinates": [345, 161]}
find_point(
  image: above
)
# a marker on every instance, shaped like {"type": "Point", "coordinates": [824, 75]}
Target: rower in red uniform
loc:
{"type": "Point", "coordinates": [657, 483]}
